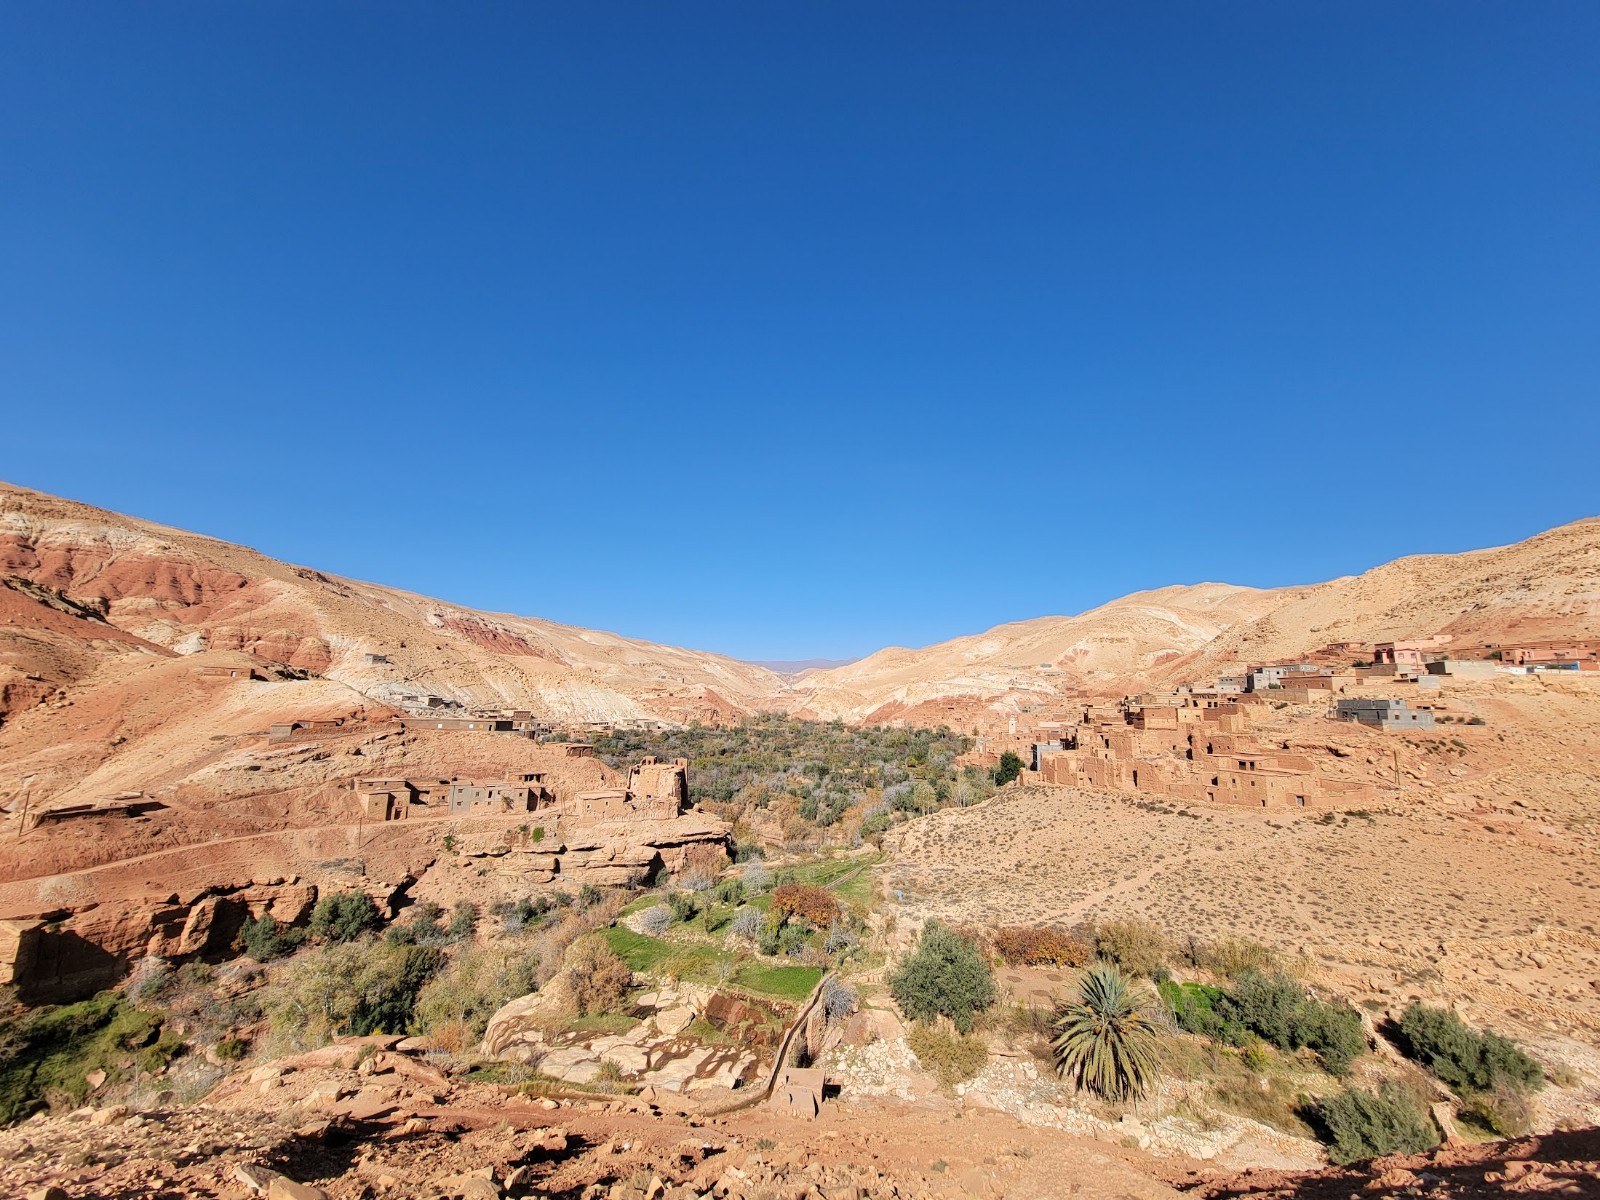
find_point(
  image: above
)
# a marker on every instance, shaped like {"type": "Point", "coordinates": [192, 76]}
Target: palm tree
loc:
{"type": "Point", "coordinates": [1105, 1041]}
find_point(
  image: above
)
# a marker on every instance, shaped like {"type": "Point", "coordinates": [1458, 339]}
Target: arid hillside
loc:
{"type": "Point", "coordinates": [87, 585]}
{"type": "Point", "coordinates": [1545, 587]}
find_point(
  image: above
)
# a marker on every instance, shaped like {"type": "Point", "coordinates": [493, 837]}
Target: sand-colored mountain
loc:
{"type": "Point", "coordinates": [1545, 587]}
{"type": "Point", "coordinates": [182, 593]}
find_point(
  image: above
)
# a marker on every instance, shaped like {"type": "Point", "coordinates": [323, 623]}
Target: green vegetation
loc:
{"type": "Point", "coordinates": [945, 976]}
{"type": "Point", "coordinates": [1463, 1057]}
{"type": "Point", "coordinates": [1010, 767]}
{"type": "Point", "coordinates": [815, 771]}
{"type": "Point", "coordinates": [700, 962]}
{"type": "Point", "coordinates": [1106, 1042]}
{"type": "Point", "coordinates": [344, 916]}
{"type": "Point", "coordinates": [1360, 1124]}
{"type": "Point", "coordinates": [265, 939]}
{"type": "Point", "coordinates": [1278, 1010]}
{"type": "Point", "coordinates": [455, 1005]}
{"type": "Point", "coordinates": [45, 1053]}
{"type": "Point", "coordinates": [357, 987]}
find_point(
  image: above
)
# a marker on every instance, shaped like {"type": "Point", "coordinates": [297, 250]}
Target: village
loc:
{"type": "Point", "coordinates": [1271, 735]}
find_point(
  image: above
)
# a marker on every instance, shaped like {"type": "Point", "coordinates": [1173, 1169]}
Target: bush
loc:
{"type": "Point", "coordinates": [588, 896]}
{"type": "Point", "coordinates": [1279, 1010]}
{"type": "Point", "coordinates": [949, 1056]}
{"type": "Point", "coordinates": [1231, 957]}
{"type": "Point", "coordinates": [343, 916]}
{"type": "Point", "coordinates": [747, 923]}
{"type": "Point", "coordinates": [811, 904]}
{"type": "Point", "coordinates": [944, 976]}
{"type": "Point", "coordinates": [655, 920]}
{"type": "Point", "coordinates": [1105, 1040]}
{"type": "Point", "coordinates": [1194, 1009]}
{"type": "Point", "coordinates": [368, 986]}
{"type": "Point", "coordinates": [463, 921]}
{"type": "Point", "coordinates": [682, 906]}
{"type": "Point", "coordinates": [265, 939]}
{"type": "Point", "coordinates": [1138, 947]}
{"type": "Point", "coordinates": [1020, 946]}
{"type": "Point", "coordinates": [729, 891]}
{"type": "Point", "coordinates": [1503, 1110]}
{"type": "Point", "coordinates": [1463, 1057]}
{"type": "Point", "coordinates": [597, 980]}
{"type": "Point", "coordinates": [455, 1005]}
{"type": "Point", "coordinates": [838, 999]}
{"type": "Point", "coordinates": [1360, 1124]}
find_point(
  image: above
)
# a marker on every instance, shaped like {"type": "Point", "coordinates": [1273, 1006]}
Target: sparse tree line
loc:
{"type": "Point", "coordinates": [1109, 1039]}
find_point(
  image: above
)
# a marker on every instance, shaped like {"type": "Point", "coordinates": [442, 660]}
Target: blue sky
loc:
{"type": "Point", "coordinates": [794, 329]}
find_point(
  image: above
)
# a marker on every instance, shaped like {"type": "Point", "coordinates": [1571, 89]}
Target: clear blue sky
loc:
{"type": "Point", "coordinates": [790, 329]}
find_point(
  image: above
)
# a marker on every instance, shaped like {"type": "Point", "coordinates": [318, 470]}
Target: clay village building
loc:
{"type": "Point", "coordinates": [656, 791]}
{"type": "Point", "coordinates": [1409, 654]}
{"type": "Point", "coordinates": [283, 731]}
{"type": "Point", "coordinates": [1190, 750]}
{"type": "Point", "coordinates": [457, 724]}
{"type": "Point", "coordinates": [524, 794]}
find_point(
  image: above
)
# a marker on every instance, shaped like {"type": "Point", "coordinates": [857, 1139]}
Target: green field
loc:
{"type": "Point", "coordinates": [700, 962]}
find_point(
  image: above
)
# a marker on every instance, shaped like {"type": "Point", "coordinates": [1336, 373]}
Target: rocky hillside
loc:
{"type": "Point", "coordinates": [1545, 587]}
{"type": "Point", "coordinates": [87, 584]}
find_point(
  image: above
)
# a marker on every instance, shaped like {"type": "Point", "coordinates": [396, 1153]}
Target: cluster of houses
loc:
{"type": "Point", "coordinates": [655, 790]}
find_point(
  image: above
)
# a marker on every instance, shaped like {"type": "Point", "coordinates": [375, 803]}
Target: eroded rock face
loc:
{"type": "Point", "coordinates": [62, 956]}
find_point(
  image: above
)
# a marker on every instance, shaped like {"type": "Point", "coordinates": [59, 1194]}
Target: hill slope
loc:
{"type": "Point", "coordinates": [1545, 587]}
{"type": "Point", "coordinates": [182, 593]}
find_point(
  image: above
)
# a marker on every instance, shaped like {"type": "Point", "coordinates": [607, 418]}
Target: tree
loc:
{"type": "Point", "coordinates": [1010, 767]}
{"type": "Point", "coordinates": [1105, 1040]}
{"type": "Point", "coordinates": [944, 976]}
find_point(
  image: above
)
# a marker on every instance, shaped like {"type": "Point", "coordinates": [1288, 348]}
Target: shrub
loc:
{"type": "Point", "coordinates": [1231, 957]}
{"type": "Point", "coordinates": [463, 921]}
{"type": "Point", "coordinates": [791, 941]}
{"type": "Point", "coordinates": [231, 1049]}
{"type": "Point", "coordinates": [368, 986]}
{"type": "Point", "coordinates": [588, 896]}
{"type": "Point", "coordinates": [343, 916]}
{"type": "Point", "coordinates": [811, 904]}
{"type": "Point", "coordinates": [1020, 946]}
{"type": "Point", "coordinates": [655, 920]}
{"type": "Point", "coordinates": [943, 976]}
{"type": "Point", "coordinates": [1106, 1041]}
{"type": "Point", "coordinates": [682, 906]}
{"type": "Point", "coordinates": [1138, 947]}
{"type": "Point", "coordinates": [729, 891]}
{"type": "Point", "coordinates": [747, 923]}
{"type": "Point", "coordinates": [1463, 1057]}
{"type": "Point", "coordinates": [264, 939]}
{"type": "Point", "coordinates": [1194, 1009]}
{"type": "Point", "coordinates": [1361, 1124]}
{"type": "Point", "coordinates": [757, 876]}
{"type": "Point", "coordinates": [455, 1005]}
{"type": "Point", "coordinates": [597, 980]}
{"type": "Point", "coordinates": [1503, 1110]}
{"type": "Point", "coordinates": [1010, 767]}
{"type": "Point", "coordinates": [951, 1057]}
{"type": "Point", "coordinates": [702, 865]}
{"type": "Point", "coordinates": [1279, 1010]}
{"type": "Point", "coordinates": [838, 999]}
{"type": "Point", "coordinates": [840, 941]}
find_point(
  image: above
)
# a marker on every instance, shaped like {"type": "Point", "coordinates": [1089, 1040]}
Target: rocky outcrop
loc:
{"type": "Point", "coordinates": [63, 955]}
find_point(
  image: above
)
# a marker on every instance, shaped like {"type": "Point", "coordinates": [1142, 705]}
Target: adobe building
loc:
{"type": "Point", "coordinates": [1412, 654]}
{"type": "Point", "coordinates": [457, 724]}
{"type": "Point", "coordinates": [524, 794]}
{"type": "Point", "coordinates": [656, 791]}
{"type": "Point", "coordinates": [283, 731]}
